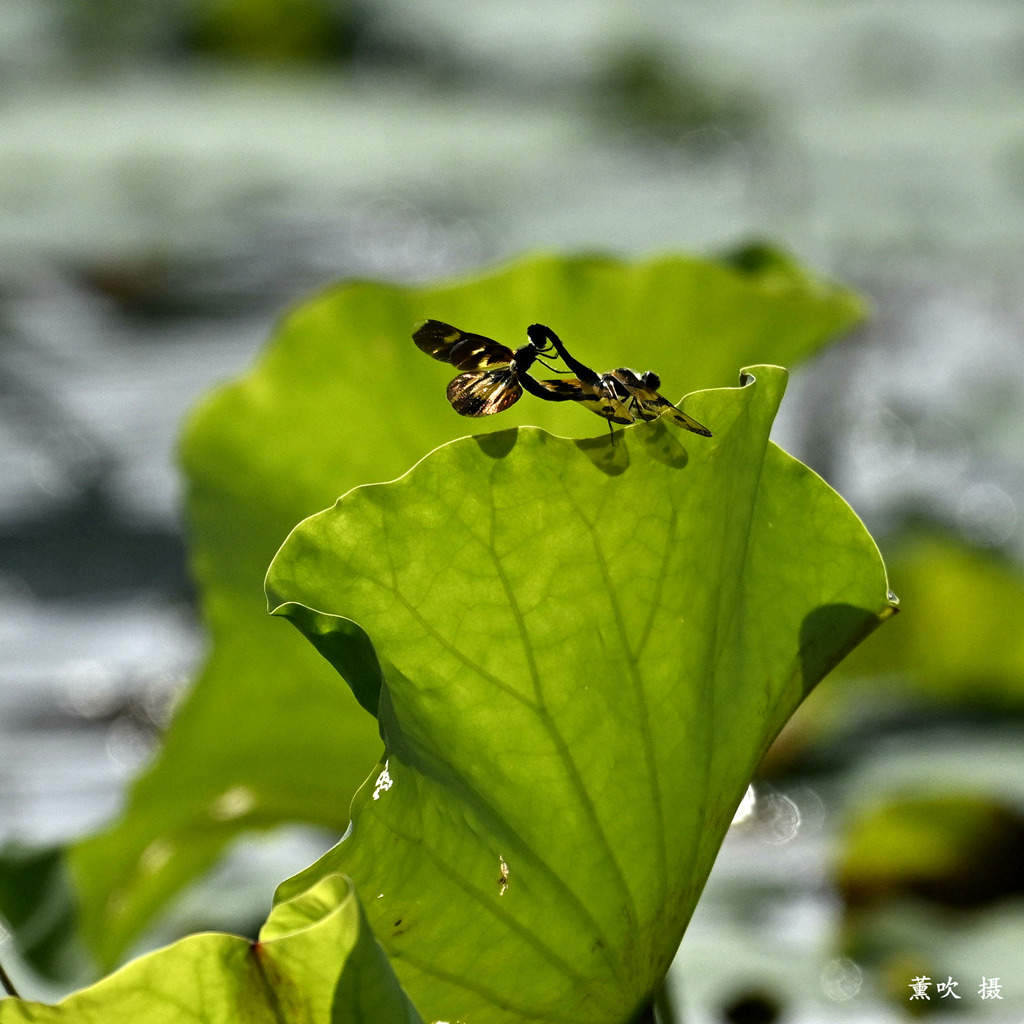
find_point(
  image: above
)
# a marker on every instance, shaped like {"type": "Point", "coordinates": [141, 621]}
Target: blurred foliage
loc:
{"type": "Point", "coordinates": [39, 906]}
{"type": "Point", "coordinates": [932, 886]}
{"type": "Point", "coordinates": [109, 33]}
{"type": "Point", "coordinates": [639, 87]}
{"type": "Point", "coordinates": [957, 851]}
{"type": "Point", "coordinates": [271, 30]}
{"type": "Point", "coordinates": [929, 712]}
{"type": "Point", "coordinates": [965, 641]}
{"type": "Point", "coordinates": [959, 655]}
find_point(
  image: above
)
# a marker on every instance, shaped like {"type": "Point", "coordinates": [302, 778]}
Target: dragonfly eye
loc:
{"type": "Point", "coordinates": [651, 380]}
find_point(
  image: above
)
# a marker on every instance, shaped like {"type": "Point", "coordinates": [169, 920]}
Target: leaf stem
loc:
{"type": "Point", "coordinates": [7, 984]}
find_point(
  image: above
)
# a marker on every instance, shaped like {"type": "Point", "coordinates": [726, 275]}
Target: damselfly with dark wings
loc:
{"type": "Point", "coordinates": [494, 377]}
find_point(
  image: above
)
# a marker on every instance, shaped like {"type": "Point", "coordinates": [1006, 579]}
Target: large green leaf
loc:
{"type": "Point", "coordinates": [343, 397]}
{"type": "Point", "coordinates": [316, 962]}
{"type": "Point", "coordinates": [586, 648]}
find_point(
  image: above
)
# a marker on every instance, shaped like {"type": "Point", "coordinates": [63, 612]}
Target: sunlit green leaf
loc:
{"type": "Point", "coordinates": [316, 962]}
{"type": "Point", "coordinates": [586, 648]}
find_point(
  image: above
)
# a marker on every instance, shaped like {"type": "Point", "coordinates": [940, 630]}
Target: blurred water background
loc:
{"type": "Point", "coordinates": [173, 176]}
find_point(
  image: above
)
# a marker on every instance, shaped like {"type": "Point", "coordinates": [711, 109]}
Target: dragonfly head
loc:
{"type": "Point", "coordinates": [540, 337]}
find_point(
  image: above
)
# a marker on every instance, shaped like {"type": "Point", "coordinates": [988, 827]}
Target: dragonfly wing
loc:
{"type": "Point", "coordinates": [460, 348]}
{"type": "Point", "coordinates": [609, 401]}
{"type": "Point", "coordinates": [483, 394]}
{"type": "Point", "coordinates": [650, 405]}
{"type": "Point", "coordinates": [680, 419]}
{"type": "Point", "coordinates": [435, 338]}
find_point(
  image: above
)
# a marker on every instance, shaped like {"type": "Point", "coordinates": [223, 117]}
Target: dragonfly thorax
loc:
{"type": "Point", "coordinates": [648, 379]}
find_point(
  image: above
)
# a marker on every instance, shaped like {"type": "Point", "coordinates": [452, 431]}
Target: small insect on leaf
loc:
{"type": "Point", "coordinates": [494, 377]}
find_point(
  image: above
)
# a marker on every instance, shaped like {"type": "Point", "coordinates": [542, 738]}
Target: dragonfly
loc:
{"type": "Point", "coordinates": [620, 396]}
{"type": "Point", "coordinates": [494, 376]}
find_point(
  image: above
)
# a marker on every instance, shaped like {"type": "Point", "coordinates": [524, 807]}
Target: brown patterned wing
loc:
{"type": "Point", "coordinates": [460, 348]}
{"type": "Point", "coordinates": [483, 394]}
{"type": "Point", "coordinates": [648, 405]}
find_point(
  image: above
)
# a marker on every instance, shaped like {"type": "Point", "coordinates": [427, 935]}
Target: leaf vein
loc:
{"type": "Point", "coordinates": [561, 747]}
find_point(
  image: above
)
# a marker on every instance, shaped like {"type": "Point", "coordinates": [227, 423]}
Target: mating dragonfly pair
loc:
{"type": "Point", "coordinates": [494, 377]}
